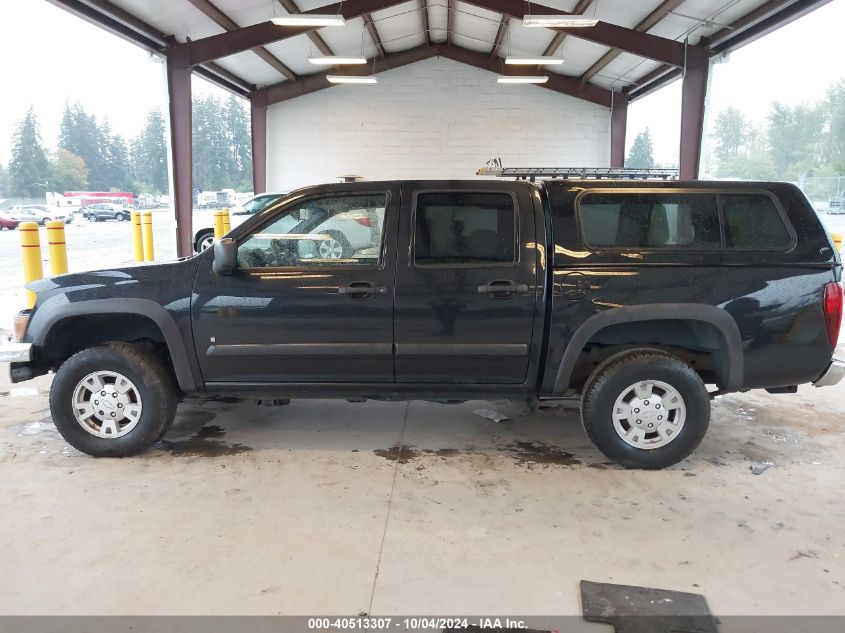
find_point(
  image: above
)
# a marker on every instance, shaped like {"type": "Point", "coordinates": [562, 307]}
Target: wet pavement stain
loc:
{"type": "Point", "coordinates": [203, 444]}
{"type": "Point", "coordinates": [397, 453]}
{"type": "Point", "coordinates": [530, 453]}
{"type": "Point", "coordinates": [443, 452]}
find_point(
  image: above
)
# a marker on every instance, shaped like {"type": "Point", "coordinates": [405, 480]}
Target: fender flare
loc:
{"type": "Point", "coordinates": [717, 317]}
{"type": "Point", "coordinates": [49, 314]}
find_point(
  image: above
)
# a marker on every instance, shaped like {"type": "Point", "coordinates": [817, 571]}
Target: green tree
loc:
{"type": "Point", "coordinates": [795, 139]}
{"type": "Point", "coordinates": [115, 169]}
{"type": "Point", "coordinates": [240, 143]}
{"type": "Point", "coordinates": [212, 152]}
{"type": "Point", "coordinates": [833, 152]}
{"type": "Point", "coordinates": [148, 153]}
{"type": "Point", "coordinates": [28, 167]}
{"type": "Point", "coordinates": [80, 135]}
{"type": "Point", "coordinates": [641, 155]}
{"type": "Point", "coordinates": [67, 172]}
{"type": "Point", "coordinates": [730, 134]}
{"type": "Point", "coordinates": [4, 181]}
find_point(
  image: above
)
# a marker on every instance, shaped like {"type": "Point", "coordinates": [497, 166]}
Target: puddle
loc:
{"type": "Point", "coordinates": [529, 453]}
{"type": "Point", "coordinates": [203, 444]}
{"type": "Point", "coordinates": [397, 453]}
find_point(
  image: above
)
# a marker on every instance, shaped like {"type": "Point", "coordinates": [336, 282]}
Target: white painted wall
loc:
{"type": "Point", "coordinates": [433, 119]}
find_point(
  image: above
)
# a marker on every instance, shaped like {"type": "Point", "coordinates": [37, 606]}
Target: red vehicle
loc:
{"type": "Point", "coordinates": [123, 198]}
{"type": "Point", "coordinates": [8, 222]}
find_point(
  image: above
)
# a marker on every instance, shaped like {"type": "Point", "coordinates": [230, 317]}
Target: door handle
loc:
{"type": "Point", "coordinates": [361, 289]}
{"type": "Point", "coordinates": [501, 288]}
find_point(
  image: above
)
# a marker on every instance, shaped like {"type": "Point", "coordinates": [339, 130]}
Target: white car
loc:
{"type": "Point", "coordinates": [41, 213]}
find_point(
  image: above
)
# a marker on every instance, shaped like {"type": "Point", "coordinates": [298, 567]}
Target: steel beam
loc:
{"type": "Point", "coordinates": [291, 7]}
{"type": "Point", "coordinates": [693, 100]}
{"type": "Point", "coordinates": [286, 90]}
{"type": "Point", "coordinates": [647, 23]}
{"type": "Point", "coordinates": [248, 37]}
{"type": "Point", "coordinates": [207, 8]}
{"type": "Point", "coordinates": [179, 93]}
{"type": "Point", "coordinates": [559, 83]}
{"type": "Point", "coordinates": [642, 44]}
{"type": "Point", "coordinates": [424, 20]}
{"type": "Point", "coordinates": [559, 36]}
{"type": "Point", "coordinates": [450, 20]}
{"type": "Point", "coordinates": [258, 129]}
{"type": "Point", "coordinates": [373, 32]}
{"type": "Point", "coordinates": [500, 35]}
{"type": "Point", "coordinates": [618, 129]}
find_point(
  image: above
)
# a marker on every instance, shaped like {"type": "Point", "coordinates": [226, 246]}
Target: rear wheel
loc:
{"type": "Point", "coordinates": [92, 217]}
{"type": "Point", "coordinates": [336, 246]}
{"type": "Point", "coordinates": [44, 221]}
{"type": "Point", "coordinates": [113, 400]}
{"type": "Point", "coordinates": [646, 409]}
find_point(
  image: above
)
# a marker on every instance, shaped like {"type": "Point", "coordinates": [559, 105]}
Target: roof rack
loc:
{"type": "Point", "coordinates": [494, 168]}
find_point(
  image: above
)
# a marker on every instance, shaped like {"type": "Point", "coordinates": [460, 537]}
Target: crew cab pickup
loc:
{"type": "Point", "coordinates": [642, 299]}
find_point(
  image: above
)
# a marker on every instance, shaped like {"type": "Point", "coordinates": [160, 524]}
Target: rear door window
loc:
{"type": "Point", "coordinates": [752, 222]}
{"type": "Point", "coordinates": [650, 220]}
{"type": "Point", "coordinates": [460, 228]}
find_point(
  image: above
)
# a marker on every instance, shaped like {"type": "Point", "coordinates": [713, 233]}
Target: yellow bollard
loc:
{"type": "Point", "coordinates": [31, 253]}
{"type": "Point", "coordinates": [227, 225]}
{"type": "Point", "coordinates": [56, 247]}
{"type": "Point", "coordinates": [137, 239]}
{"type": "Point", "coordinates": [837, 241]}
{"type": "Point", "coordinates": [218, 225]}
{"type": "Point", "coordinates": [147, 225]}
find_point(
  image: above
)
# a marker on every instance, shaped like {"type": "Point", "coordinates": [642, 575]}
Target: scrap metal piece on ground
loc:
{"type": "Point", "coordinates": [632, 609]}
{"type": "Point", "coordinates": [490, 414]}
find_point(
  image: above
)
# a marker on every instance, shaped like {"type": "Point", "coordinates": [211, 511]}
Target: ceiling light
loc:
{"type": "Point", "coordinates": [309, 19]}
{"type": "Point", "coordinates": [522, 79]}
{"type": "Point", "coordinates": [351, 79]}
{"type": "Point", "coordinates": [332, 60]}
{"type": "Point", "coordinates": [534, 61]}
{"type": "Point", "coordinates": [560, 21]}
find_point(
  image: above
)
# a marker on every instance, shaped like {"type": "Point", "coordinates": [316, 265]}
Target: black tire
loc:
{"type": "Point", "coordinates": [201, 237]}
{"type": "Point", "coordinates": [614, 377]}
{"type": "Point", "coordinates": [44, 221]}
{"type": "Point", "coordinates": [120, 217]}
{"type": "Point", "coordinates": [92, 217]}
{"type": "Point", "coordinates": [159, 397]}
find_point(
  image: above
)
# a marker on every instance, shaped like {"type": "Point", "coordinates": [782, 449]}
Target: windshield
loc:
{"type": "Point", "coordinates": [257, 204]}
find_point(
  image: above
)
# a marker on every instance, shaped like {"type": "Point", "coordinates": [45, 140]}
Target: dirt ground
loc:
{"type": "Point", "coordinates": [386, 508]}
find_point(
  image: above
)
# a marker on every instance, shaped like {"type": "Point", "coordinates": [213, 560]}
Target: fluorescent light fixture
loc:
{"type": "Point", "coordinates": [561, 21]}
{"type": "Point", "coordinates": [351, 79]}
{"type": "Point", "coordinates": [309, 19]}
{"type": "Point", "coordinates": [332, 60]}
{"type": "Point", "coordinates": [534, 61]}
{"type": "Point", "coordinates": [522, 79]}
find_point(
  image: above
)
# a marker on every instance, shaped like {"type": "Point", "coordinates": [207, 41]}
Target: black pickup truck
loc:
{"type": "Point", "coordinates": [630, 295]}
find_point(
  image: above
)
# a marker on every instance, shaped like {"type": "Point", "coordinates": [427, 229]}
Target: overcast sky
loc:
{"type": "Point", "coordinates": [52, 57]}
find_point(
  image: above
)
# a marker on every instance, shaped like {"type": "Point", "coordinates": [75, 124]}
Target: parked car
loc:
{"type": "Point", "coordinates": [105, 211]}
{"type": "Point", "coordinates": [204, 237]}
{"type": "Point", "coordinates": [8, 221]}
{"type": "Point", "coordinates": [629, 297]}
{"type": "Point", "coordinates": [41, 213]}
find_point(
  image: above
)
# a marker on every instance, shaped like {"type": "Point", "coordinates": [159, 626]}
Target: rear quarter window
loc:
{"type": "Point", "coordinates": [753, 222]}
{"type": "Point", "coordinates": [649, 220]}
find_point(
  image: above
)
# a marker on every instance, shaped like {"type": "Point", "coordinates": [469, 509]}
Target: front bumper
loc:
{"type": "Point", "coordinates": [834, 373]}
{"type": "Point", "coordinates": [15, 352]}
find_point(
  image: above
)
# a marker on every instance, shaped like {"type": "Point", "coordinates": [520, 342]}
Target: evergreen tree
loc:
{"type": "Point", "coordinates": [4, 181]}
{"type": "Point", "coordinates": [149, 156]}
{"type": "Point", "coordinates": [28, 168]}
{"type": "Point", "coordinates": [79, 134]}
{"type": "Point", "coordinates": [833, 151]}
{"type": "Point", "coordinates": [238, 135]}
{"type": "Point", "coordinates": [641, 155]}
{"type": "Point", "coordinates": [731, 134]}
{"type": "Point", "coordinates": [68, 172]}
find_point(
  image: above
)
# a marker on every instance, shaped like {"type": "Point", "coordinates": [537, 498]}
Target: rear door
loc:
{"type": "Point", "coordinates": [466, 283]}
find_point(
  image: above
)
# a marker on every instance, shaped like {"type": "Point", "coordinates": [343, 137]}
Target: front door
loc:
{"type": "Point", "coordinates": [466, 284]}
{"type": "Point", "coordinates": [311, 299]}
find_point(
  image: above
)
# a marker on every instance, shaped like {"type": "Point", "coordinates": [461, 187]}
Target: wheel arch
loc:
{"type": "Point", "coordinates": [49, 320]}
{"type": "Point", "coordinates": [728, 354]}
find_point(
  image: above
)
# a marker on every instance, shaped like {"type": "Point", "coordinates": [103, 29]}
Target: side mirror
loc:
{"type": "Point", "coordinates": [225, 256]}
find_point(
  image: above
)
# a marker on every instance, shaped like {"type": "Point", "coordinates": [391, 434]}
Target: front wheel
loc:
{"type": "Point", "coordinates": [646, 409]}
{"type": "Point", "coordinates": [92, 217]}
{"type": "Point", "coordinates": [120, 217]}
{"type": "Point", "coordinates": [335, 246]}
{"type": "Point", "coordinates": [204, 242]}
{"type": "Point", "coordinates": [113, 400]}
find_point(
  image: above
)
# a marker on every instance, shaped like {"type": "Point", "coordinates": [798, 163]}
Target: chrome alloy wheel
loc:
{"type": "Point", "coordinates": [206, 243]}
{"type": "Point", "coordinates": [107, 404]}
{"type": "Point", "coordinates": [649, 414]}
{"type": "Point", "coordinates": [330, 249]}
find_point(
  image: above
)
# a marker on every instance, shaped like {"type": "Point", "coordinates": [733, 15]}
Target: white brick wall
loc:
{"type": "Point", "coordinates": [433, 119]}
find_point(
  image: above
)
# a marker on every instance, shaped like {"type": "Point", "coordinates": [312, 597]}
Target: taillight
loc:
{"type": "Point", "coordinates": [833, 311]}
{"type": "Point", "coordinates": [21, 321]}
{"type": "Point", "coordinates": [364, 220]}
